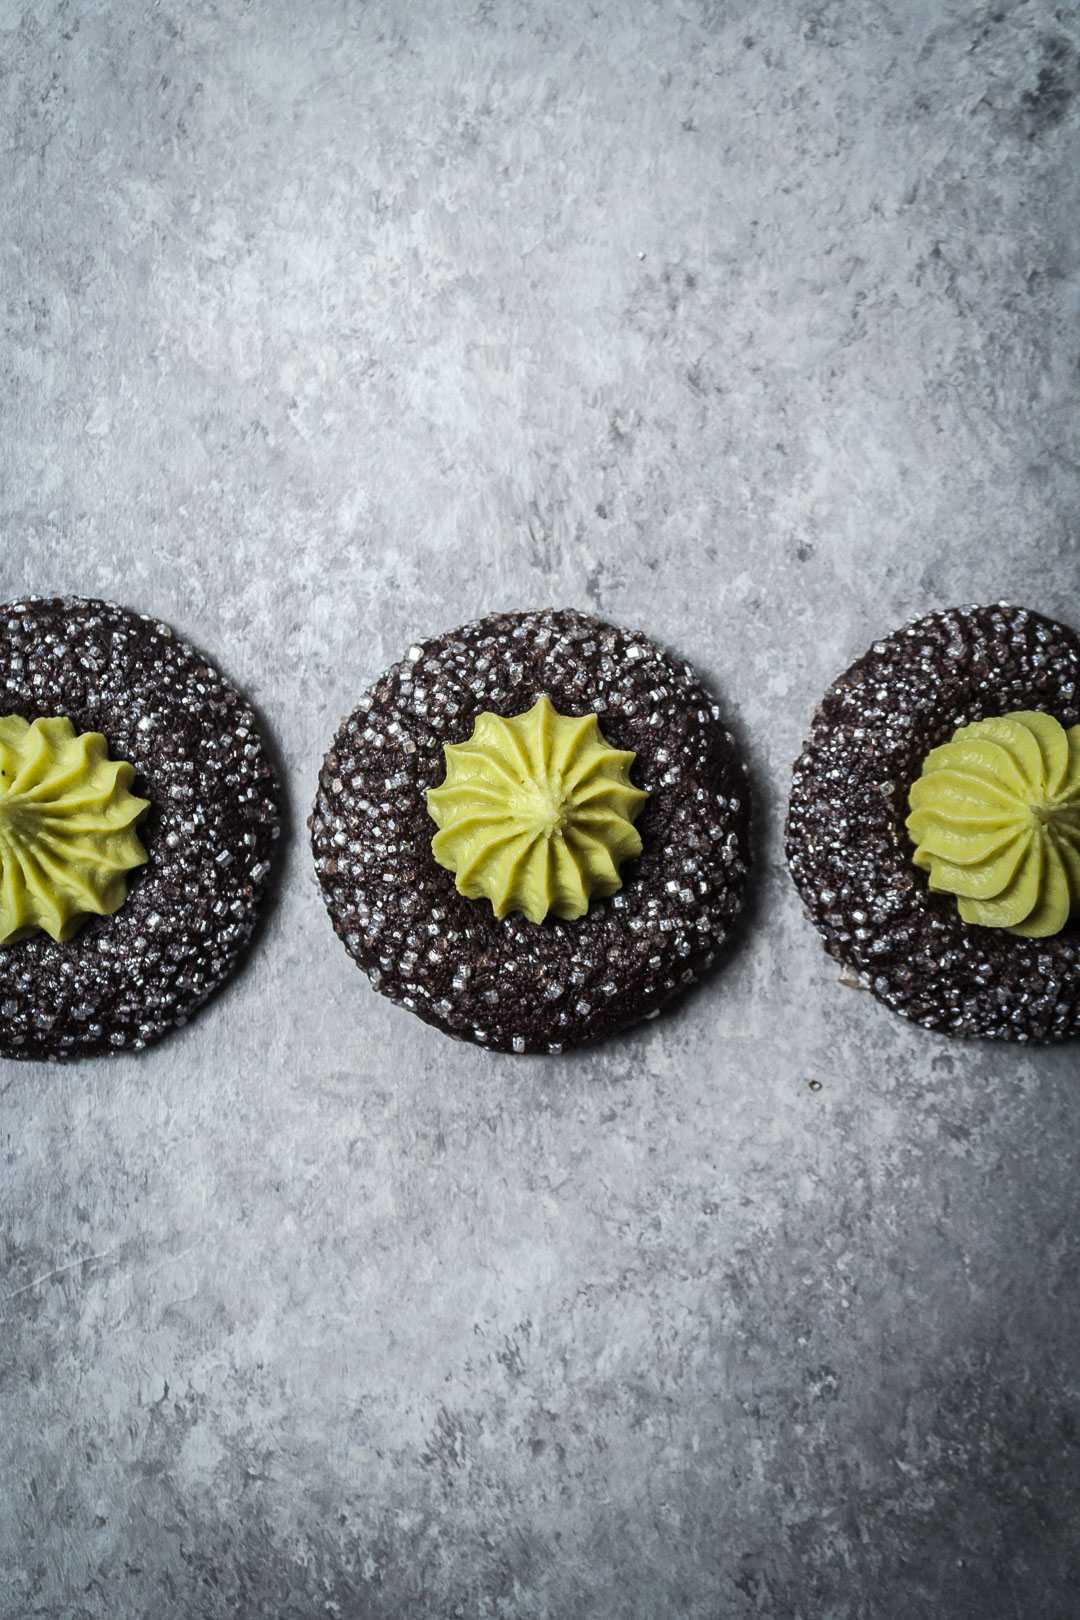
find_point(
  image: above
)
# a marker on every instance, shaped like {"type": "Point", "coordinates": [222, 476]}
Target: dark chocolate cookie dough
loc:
{"type": "Point", "coordinates": [850, 852]}
{"type": "Point", "coordinates": [514, 985]}
{"type": "Point", "coordinates": [125, 979]}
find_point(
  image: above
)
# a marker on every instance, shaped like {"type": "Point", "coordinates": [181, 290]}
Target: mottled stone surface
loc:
{"type": "Point", "coordinates": [327, 326]}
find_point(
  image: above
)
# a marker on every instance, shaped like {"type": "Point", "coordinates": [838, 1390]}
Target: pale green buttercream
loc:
{"type": "Point", "coordinates": [67, 828]}
{"type": "Point", "coordinates": [995, 816]}
{"type": "Point", "coordinates": [536, 813]}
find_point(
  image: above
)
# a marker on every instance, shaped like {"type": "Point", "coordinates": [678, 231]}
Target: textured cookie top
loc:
{"type": "Point", "coordinates": [125, 979]}
{"type": "Point", "coordinates": [852, 857]}
{"type": "Point", "coordinates": [509, 983]}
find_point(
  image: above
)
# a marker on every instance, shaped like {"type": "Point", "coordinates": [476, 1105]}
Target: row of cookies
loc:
{"type": "Point", "coordinates": [535, 830]}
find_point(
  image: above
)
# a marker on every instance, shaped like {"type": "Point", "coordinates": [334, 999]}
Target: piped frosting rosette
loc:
{"type": "Point", "coordinates": [67, 828]}
{"type": "Point", "coordinates": [536, 813]}
{"type": "Point", "coordinates": [995, 816]}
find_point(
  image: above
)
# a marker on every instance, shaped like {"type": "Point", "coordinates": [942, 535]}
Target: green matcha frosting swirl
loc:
{"type": "Point", "coordinates": [995, 817]}
{"type": "Point", "coordinates": [536, 813]}
{"type": "Point", "coordinates": [67, 828]}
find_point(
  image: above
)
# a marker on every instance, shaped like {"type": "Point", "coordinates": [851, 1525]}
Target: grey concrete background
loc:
{"type": "Point", "coordinates": [326, 326]}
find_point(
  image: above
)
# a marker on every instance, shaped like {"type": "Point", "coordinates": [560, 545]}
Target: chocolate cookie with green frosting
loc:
{"type": "Point", "coordinates": [137, 821]}
{"type": "Point", "coordinates": [533, 831]}
{"type": "Point", "coordinates": [933, 830]}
